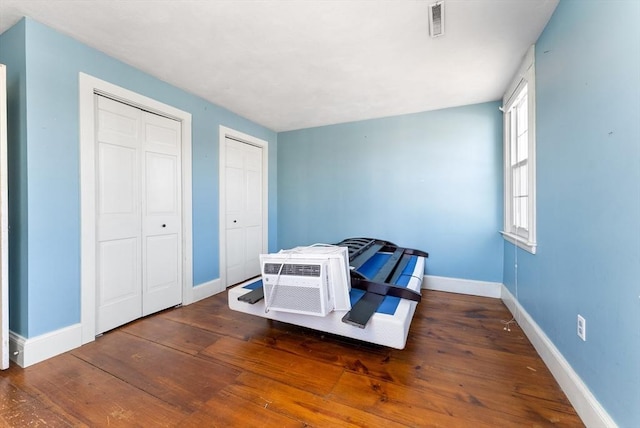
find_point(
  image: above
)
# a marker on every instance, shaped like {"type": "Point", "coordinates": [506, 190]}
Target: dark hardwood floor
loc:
{"type": "Point", "coordinates": [205, 365]}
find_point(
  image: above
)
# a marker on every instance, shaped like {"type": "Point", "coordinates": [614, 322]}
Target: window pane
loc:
{"type": "Point", "coordinates": [512, 137]}
{"type": "Point", "coordinates": [523, 189]}
{"type": "Point", "coordinates": [522, 151]}
{"type": "Point", "coordinates": [520, 180]}
{"type": "Point", "coordinates": [522, 134]}
{"type": "Point", "coordinates": [520, 214]}
{"type": "Point", "coordinates": [523, 113]}
{"type": "Point", "coordinates": [520, 192]}
{"type": "Point", "coordinates": [523, 205]}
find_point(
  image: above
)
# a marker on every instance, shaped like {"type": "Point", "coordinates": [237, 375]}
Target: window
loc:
{"type": "Point", "coordinates": [519, 157]}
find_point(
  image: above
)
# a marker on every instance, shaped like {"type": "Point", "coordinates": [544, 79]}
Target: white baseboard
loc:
{"type": "Point", "coordinates": [207, 289]}
{"type": "Point", "coordinates": [462, 286]}
{"type": "Point", "coordinates": [587, 406]}
{"type": "Point", "coordinates": [26, 352]}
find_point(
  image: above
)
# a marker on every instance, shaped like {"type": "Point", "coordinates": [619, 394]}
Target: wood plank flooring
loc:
{"type": "Point", "coordinates": [204, 365]}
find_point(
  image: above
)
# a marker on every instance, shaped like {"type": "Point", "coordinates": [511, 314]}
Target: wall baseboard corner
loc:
{"type": "Point", "coordinates": [26, 352]}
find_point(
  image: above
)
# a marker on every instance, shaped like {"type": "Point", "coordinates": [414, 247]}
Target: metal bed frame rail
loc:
{"type": "Point", "coordinates": [383, 284]}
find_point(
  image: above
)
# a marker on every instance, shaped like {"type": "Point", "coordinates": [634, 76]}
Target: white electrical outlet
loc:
{"type": "Point", "coordinates": [582, 328]}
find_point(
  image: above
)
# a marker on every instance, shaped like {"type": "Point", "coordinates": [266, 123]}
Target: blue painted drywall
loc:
{"type": "Point", "coordinates": [50, 286]}
{"type": "Point", "coordinates": [430, 180]}
{"type": "Point", "coordinates": [12, 54]}
{"type": "Point", "coordinates": [588, 189]}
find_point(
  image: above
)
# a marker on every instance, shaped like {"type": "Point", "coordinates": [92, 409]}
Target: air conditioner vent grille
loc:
{"type": "Point", "coordinates": [293, 269]}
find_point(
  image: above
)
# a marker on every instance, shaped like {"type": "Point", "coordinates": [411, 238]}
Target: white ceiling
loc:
{"type": "Point", "coordinates": [291, 64]}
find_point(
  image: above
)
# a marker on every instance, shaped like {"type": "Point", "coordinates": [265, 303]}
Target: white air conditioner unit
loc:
{"type": "Point", "coordinates": [311, 280]}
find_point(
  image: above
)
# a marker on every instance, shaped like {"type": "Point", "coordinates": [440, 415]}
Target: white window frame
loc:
{"type": "Point", "coordinates": [524, 78]}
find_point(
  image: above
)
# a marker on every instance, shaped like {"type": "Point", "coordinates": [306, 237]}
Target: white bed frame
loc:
{"type": "Point", "coordinates": [382, 329]}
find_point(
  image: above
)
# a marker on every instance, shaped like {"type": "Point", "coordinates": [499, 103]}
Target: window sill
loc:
{"type": "Point", "coordinates": [519, 241]}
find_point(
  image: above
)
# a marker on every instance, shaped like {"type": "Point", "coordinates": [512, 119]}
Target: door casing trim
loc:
{"type": "Point", "coordinates": [88, 87]}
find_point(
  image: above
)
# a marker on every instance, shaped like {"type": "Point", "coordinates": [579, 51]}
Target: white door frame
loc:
{"type": "Point", "coordinates": [4, 225]}
{"type": "Point", "coordinates": [89, 86]}
{"type": "Point", "coordinates": [264, 145]}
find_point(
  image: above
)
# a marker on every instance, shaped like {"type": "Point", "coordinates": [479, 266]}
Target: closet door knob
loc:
{"type": "Point", "coordinates": [164, 225]}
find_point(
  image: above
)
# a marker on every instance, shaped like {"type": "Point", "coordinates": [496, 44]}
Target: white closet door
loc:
{"type": "Point", "coordinates": [138, 214]}
{"type": "Point", "coordinates": [119, 235]}
{"type": "Point", "coordinates": [244, 210]}
{"type": "Point", "coordinates": [162, 223]}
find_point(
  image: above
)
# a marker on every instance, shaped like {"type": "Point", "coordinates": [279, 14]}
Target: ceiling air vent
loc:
{"type": "Point", "coordinates": [436, 19]}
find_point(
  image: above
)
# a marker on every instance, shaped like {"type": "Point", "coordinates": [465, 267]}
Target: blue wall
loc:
{"type": "Point", "coordinates": [588, 189]}
{"type": "Point", "coordinates": [431, 181]}
{"type": "Point", "coordinates": [44, 180]}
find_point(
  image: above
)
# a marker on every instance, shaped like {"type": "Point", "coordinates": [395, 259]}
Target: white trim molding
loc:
{"type": "Point", "coordinates": [225, 132]}
{"type": "Point", "coordinates": [88, 87]}
{"type": "Point", "coordinates": [207, 289]}
{"type": "Point", "coordinates": [26, 352]}
{"type": "Point", "coordinates": [4, 225]}
{"type": "Point", "coordinates": [521, 234]}
{"type": "Point", "coordinates": [462, 286]}
{"type": "Point", "coordinates": [587, 406]}
{"type": "Point", "coordinates": [521, 242]}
